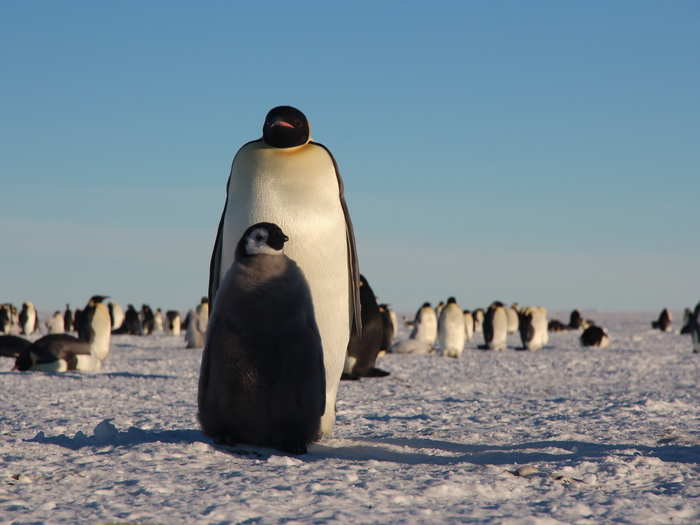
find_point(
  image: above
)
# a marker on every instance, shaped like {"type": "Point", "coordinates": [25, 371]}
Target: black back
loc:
{"type": "Point", "coordinates": [592, 336]}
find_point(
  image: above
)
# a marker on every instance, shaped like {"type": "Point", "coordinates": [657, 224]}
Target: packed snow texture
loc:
{"type": "Point", "coordinates": [561, 435]}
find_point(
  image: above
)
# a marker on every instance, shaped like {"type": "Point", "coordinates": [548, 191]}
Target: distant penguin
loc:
{"type": "Point", "coordinates": [146, 319]}
{"type": "Point", "coordinates": [425, 325]}
{"type": "Point", "coordinates": [451, 334]}
{"type": "Point", "coordinates": [468, 325]}
{"type": "Point", "coordinates": [288, 179]}
{"type": "Point", "coordinates": [262, 378]}
{"type": "Point", "coordinates": [479, 315]}
{"type": "Point", "coordinates": [116, 314]}
{"type": "Point", "coordinates": [533, 327]}
{"type": "Point", "coordinates": [12, 345]}
{"type": "Point", "coordinates": [158, 321]}
{"type": "Point", "coordinates": [5, 320]}
{"type": "Point", "coordinates": [513, 319]}
{"type": "Point", "coordinates": [686, 327]}
{"type": "Point", "coordinates": [132, 322]}
{"type": "Point", "coordinates": [62, 352]}
{"type": "Point", "coordinates": [363, 349]}
{"type": "Point", "coordinates": [695, 329]}
{"type": "Point", "coordinates": [495, 328]}
{"type": "Point", "coordinates": [394, 321]}
{"type": "Point", "coordinates": [663, 323]}
{"type": "Point", "coordinates": [575, 320]}
{"type": "Point", "coordinates": [197, 324]}
{"type": "Point", "coordinates": [173, 322]}
{"type": "Point", "coordinates": [595, 336]}
{"type": "Point", "coordinates": [67, 319]}
{"type": "Point", "coordinates": [54, 324]}
{"type": "Point", "coordinates": [438, 309]}
{"type": "Point", "coordinates": [557, 326]}
{"type": "Point", "coordinates": [389, 329]}
{"type": "Point", "coordinates": [28, 319]}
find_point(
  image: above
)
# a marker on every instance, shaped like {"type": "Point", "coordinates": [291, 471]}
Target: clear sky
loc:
{"type": "Point", "coordinates": [539, 152]}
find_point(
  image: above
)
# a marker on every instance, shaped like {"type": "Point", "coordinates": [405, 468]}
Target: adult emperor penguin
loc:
{"type": "Point", "coordinates": [287, 179]}
{"type": "Point", "coordinates": [116, 314]}
{"type": "Point", "coordinates": [451, 329]}
{"type": "Point", "coordinates": [28, 319]}
{"type": "Point", "coordinates": [479, 315]}
{"type": "Point", "coordinates": [695, 329]}
{"type": "Point", "coordinates": [425, 325]}
{"type": "Point", "coordinates": [158, 321]}
{"type": "Point", "coordinates": [533, 327]}
{"type": "Point", "coordinates": [173, 322]}
{"type": "Point", "coordinates": [196, 325]}
{"type": "Point", "coordinates": [513, 318]}
{"type": "Point", "coordinates": [62, 352]}
{"type": "Point", "coordinates": [5, 319]}
{"type": "Point", "coordinates": [468, 325]}
{"type": "Point", "coordinates": [495, 328]}
{"type": "Point", "coordinates": [364, 348]}
{"type": "Point", "coordinates": [262, 378]}
{"type": "Point", "coordinates": [389, 330]}
{"type": "Point", "coordinates": [55, 323]}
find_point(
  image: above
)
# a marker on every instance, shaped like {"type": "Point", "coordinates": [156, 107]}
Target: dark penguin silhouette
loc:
{"type": "Point", "coordinates": [5, 320]}
{"type": "Point", "coordinates": [388, 327]}
{"type": "Point", "coordinates": [131, 324]}
{"type": "Point", "coordinates": [556, 325]}
{"type": "Point", "coordinates": [12, 345]}
{"type": "Point", "coordinates": [594, 336]}
{"type": "Point", "coordinates": [575, 320]}
{"type": "Point", "coordinates": [686, 329]}
{"type": "Point", "coordinates": [364, 348]}
{"type": "Point", "coordinates": [68, 319]}
{"type": "Point", "coordinates": [147, 319]}
{"type": "Point", "coordinates": [262, 378]}
{"type": "Point", "coordinates": [663, 323]}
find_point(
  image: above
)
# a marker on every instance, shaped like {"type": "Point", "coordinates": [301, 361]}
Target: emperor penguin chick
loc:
{"type": "Point", "coordinates": [262, 379]}
{"type": "Point", "coordinates": [451, 333]}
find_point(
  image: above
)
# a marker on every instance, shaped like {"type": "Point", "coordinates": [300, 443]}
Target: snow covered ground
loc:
{"type": "Point", "coordinates": [563, 435]}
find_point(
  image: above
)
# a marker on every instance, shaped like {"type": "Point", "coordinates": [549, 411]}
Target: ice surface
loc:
{"type": "Point", "coordinates": [563, 435]}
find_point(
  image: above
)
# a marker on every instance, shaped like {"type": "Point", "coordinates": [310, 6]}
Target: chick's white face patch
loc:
{"type": "Point", "coordinates": [256, 243]}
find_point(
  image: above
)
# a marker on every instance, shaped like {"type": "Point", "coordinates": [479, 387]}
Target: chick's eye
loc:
{"type": "Point", "coordinates": [258, 237]}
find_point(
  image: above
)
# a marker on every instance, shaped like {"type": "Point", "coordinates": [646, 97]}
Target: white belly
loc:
{"type": "Point", "coordinates": [298, 190]}
{"type": "Point", "coordinates": [451, 331]}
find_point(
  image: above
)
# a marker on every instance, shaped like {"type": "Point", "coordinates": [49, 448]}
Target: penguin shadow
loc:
{"type": "Point", "coordinates": [126, 438]}
{"type": "Point", "coordinates": [136, 376]}
{"type": "Point", "coordinates": [478, 454]}
{"type": "Point", "coordinates": [62, 375]}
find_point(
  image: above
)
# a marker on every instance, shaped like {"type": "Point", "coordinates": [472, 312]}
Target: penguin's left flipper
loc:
{"type": "Point", "coordinates": [377, 372]}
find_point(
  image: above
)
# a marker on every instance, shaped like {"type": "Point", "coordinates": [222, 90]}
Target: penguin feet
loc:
{"type": "Point", "coordinates": [350, 377]}
{"type": "Point", "coordinates": [377, 372]}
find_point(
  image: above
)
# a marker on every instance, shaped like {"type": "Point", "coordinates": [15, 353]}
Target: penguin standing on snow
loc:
{"type": "Point", "coordinates": [695, 329]}
{"type": "Point", "coordinates": [28, 320]}
{"type": "Point", "coordinates": [513, 318]}
{"type": "Point", "coordinates": [533, 327]}
{"type": "Point", "coordinates": [389, 329]}
{"type": "Point", "coordinates": [451, 329]}
{"type": "Point", "coordinates": [495, 327]}
{"type": "Point", "coordinates": [364, 348]}
{"type": "Point", "coordinates": [468, 325]}
{"type": "Point", "coordinates": [196, 324]}
{"type": "Point", "coordinates": [287, 179]}
{"type": "Point", "coordinates": [54, 324]}
{"type": "Point", "coordinates": [425, 325]}
{"type": "Point", "coordinates": [67, 319]}
{"type": "Point", "coordinates": [116, 314]}
{"type": "Point", "coordinates": [479, 315]}
{"type": "Point", "coordinates": [262, 379]}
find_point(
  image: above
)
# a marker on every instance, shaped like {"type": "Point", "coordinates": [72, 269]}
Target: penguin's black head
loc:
{"type": "Point", "coordinates": [261, 238]}
{"type": "Point", "coordinates": [451, 300]}
{"type": "Point", "coordinates": [285, 127]}
{"type": "Point", "coordinates": [426, 304]}
{"type": "Point", "coordinates": [97, 298]}
{"type": "Point", "coordinates": [204, 300]}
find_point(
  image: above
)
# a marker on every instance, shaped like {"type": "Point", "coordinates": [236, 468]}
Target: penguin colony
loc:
{"type": "Point", "coordinates": [273, 266]}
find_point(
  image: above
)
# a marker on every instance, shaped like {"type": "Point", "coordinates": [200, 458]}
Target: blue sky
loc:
{"type": "Point", "coordinates": [539, 152]}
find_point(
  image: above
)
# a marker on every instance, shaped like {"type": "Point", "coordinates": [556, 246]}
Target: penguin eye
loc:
{"type": "Point", "coordinates": [259, 237]}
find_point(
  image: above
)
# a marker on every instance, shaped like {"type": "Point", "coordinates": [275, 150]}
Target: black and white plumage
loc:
{"type": "Point", "coordinates": [533, 327]}
{"type": "Point", "coordinates": [196, 324]}
{"type": "Point", "coordinates": [290, 180]}
{"type": "Point", "coordinates": [695, 329]}
{"type": "Point", "coordinates": [63, 352]}
{"type": "Point", "coordinates": [131, 324]}
{"type": "Point", "coordinates": [595, 336]}
{"type": "Point", "coordinates": [364, 348]}
{"type": "Point", "coordinates": [663, 323]}
{"type": "Point", "coordinates": [28, 319]}
{"type": "Point", "coordinates": [451, 334]}
{"type": "Point", "coordinates": [262, 378]}
{"type": "Point", "coordinates": [388, 321]}
{"type": "Point", "coordinates": [495, 327]}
